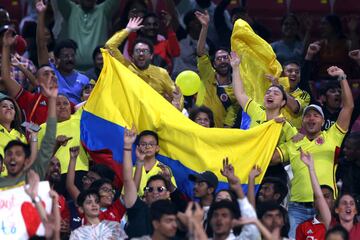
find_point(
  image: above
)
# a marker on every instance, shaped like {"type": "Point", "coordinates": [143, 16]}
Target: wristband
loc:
{"type": "Point", "coordinates": [341, 77]}
{"type": "Point", "coordinates": [36, 199]}
{"type": "Point", "coordinates": [127, 149]}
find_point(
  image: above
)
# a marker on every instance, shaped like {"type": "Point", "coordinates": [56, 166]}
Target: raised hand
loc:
{"type": "Point", "coordinates": [255, 172]}
{"type": "Point", "coordinates": [33, 180]}
{"type": "Point", "coordinates": [49, 88]}
{"type": "Point", "coordinates": [129, 136]}
{"type": "Point", "coordinates": [313, 49]}
{"type": "Point", "coordinates": [274, 80]}
{"type": "Point", "coordinates": [15, 62]}
{"type": "Point", "coordinates": [335, 71]}
{"type": "Point", "coordinates": [204, 18]}
{"type": "Point", "coordinates": [234, 59]}
{"type": "Point", "coordinates": [40, 6]}
{"type": "Point", "coordinates": [9, 38]}
{"type": "Point", "coordinates": [134, 24]}
{"type": "Point", "coordinates": [165, 18]}
{"type": "Point", "coordinates": [62, 140]}
{"type": "Point", "coordinates": [165, 172]}
{"type": "Point", "coordinates": [74, 152]}
{"type": "Point", "coordinates": [307, 159]}
{"type": "Point", "coordinates": [228, 172]}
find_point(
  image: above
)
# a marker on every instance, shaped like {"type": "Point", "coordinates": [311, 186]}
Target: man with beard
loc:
{"type": "Point", "coordinates": [142, 53]}
{"type": "Point", "coordinates": [70, 81]}
{"type": "Point", "coordinates": [53, 175]}
{"type": "Point", "coordinates": [216, 76]}
{"type": "Point", "coordinates": [322, 145]}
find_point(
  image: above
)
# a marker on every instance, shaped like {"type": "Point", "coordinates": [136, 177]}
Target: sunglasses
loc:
{"type": "Point", "coordinates": [151, 189]}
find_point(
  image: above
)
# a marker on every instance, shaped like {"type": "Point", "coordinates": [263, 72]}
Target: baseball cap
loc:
{"type": "Point", "coordinates": [207, 176]}
{"type": "Point", "coordinates": [3, 28]}
{"type": "Point", "coordinates": [313, 107]}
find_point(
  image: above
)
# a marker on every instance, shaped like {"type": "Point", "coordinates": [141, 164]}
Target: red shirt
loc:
{"type": "Point", "coordinates": [64, 209]}
{"type": "Point", "coordinates": [113, 213]}
{"type": "Point", "coordinates": [35, 106]}
{"type": "Point", "coordinates": [311, 229]}
{"type": "Point", "coordinates": [354, 233]}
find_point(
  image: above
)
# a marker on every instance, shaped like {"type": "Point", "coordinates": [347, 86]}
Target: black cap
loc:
{"type": "Point", "coordinates": [3, 28]}
{"type": "Point", "coordinates": [207, 176]}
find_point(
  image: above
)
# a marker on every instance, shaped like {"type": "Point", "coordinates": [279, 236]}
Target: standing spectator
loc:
{"type": "Point", "coordinates": [330, 98]}
{"type": "Point", "coordinates": [216, 76]}
{"type": "Point", "coordinates": [86, 23]}
{"type": "Point", "coordinates": [70, 81]}
{"type": "Point", "coordinates": [322, 145]}
{"type": "Point", "coordinates": [94, 72]}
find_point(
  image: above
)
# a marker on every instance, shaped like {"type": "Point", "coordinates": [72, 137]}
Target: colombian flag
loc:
{"type": "Point", "coordinates": [121, 99]}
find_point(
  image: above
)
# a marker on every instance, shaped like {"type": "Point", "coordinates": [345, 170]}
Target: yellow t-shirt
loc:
{"type": "Point", "coordinates": [69, 128]}
{"type": "Point", "coordinates": [5, 138]}
{"type": "Point", "coordinates": [146, 175]}
{"type": "Point", "coordinates": [323, 150]}
{"type": "Point", "coordinates": [257, 114]}
{"type": "Point", "coordinates": [303, 98]}
{"type": "Point", "coordinates": [211, 100]}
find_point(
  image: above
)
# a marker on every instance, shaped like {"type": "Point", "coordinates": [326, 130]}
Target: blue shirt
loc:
{"type": "Point", "coordinates": [72, 85]}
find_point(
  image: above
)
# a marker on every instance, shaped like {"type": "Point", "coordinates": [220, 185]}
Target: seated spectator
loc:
{"type": "Point", "coordinates": [164, 50]}
{"type": "Point", "coordinates": [331, 50]}
{"type": "Point", "coordinates": [203, 116]}
{"type": "Point", "coordinates": [156, 77]}
{"type": "Point", "coordinates": [275, 219]}
{"type": "Point", "coordinates": [22, 69]}
{"type": "Point", "coordinates": [94, 72]}
{"type": "Point", "coordinates": [70, 81]}
{"type": "Point", "coordinates": [17, 166]}
{"type": "Point", "coordinates": [215, 74]}
{"type": "Point", "coordinates": [349, 166]}
{"type": "Point", "coordinates": [338, 232]}
{"type": "Point", "coordinates": [86, 23]}
{"type": "Point", "coordinates": [291, 47]}
{"type": "Point", "coordinates": [163, 219]}
{"type": "Point", "coordinates": [330, 98]}
{"type": "Point", "coordinates": [88, 202]}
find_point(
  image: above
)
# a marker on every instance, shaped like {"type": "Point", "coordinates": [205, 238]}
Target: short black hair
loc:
{"type": "Point", "coordinates": [84, 194]}
{"type": "Point", "coordinates": [143, 40]}
{"type": "Point", "coordinates": [265, 207]}
{"type": "Point", "coordinates": [96, 51]}
{"type": "Point", "coordinates": [281, 88]}
{"type": "Point", "coordinates": [338, 229]}
{"type": "Point", "coordinates": [150, 15]}
{"type": "Point", "coordinates": [288, 62]}
{"type": "Point", "coordinates": [326, 86]}
{"type": "Point", "coordinates": [147, 133]}
{"type": "Point", "coordinates": [223, 204]}
{"type": "Point", "coordinates": [189, 17]}
{"type": "Point", "coordinates": [160, 208]}
{"type": "Point", "coordinates": [97, 184]}
{"type": "Point", "coordinates": [324, 186]}
{"type": "Point", "coordinates": [25, 147]}
{"type": "Point", "coordinates": [103, 170]}
{"type": "Point", "coordinates": [221, 48]}
{"type": "Point", "coordinates": [158, 177]}
{"type": "Point", "coordinates": [279, 187]}
{"type": "Point", "coordinates": [67, 43]}
{"type": "Point", "coordinates": [196, 110]}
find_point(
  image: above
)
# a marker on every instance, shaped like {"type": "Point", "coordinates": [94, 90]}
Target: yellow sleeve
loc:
{"type": "Point", "coordinates": [289, 131]}
{"type": "Point", "coordinates": [304, 100]}
{"type": "Point", "coordinates": [113, 46]}
{"type": "Point", "coordinates": [168, 83]}
{"type": "Point", "coordinates": [254, 110]}
{"type": "Point", "coordinates": [336, 134]}
{"type": "Point", "coordinates": [41, 134]}
{"type": "Point", "coordinates": [283, 152]}
{"type": "Point", "coordinates": [206, 70]}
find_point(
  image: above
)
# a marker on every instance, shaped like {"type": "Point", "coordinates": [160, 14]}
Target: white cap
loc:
{"type": "Point", "coordinates": [313, 107]}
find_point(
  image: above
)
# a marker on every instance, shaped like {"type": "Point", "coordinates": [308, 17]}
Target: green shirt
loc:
{"type": "Point", "coordinates": [87, 29]}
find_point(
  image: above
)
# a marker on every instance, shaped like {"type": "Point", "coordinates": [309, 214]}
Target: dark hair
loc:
{"type": "Point", "coordinates": [231, 193]}
{"type": "Point", "coordinates": [189, 17]}
{"type": "Point", "coordinates": [97, 184]}
{"type": "Point", "coordinates": [232, 207]}
{"type": "Point", "coordinates": [143, 40]}
{"type": "Point", "coordinates": [160, 208]}
{"type": "Point", "coordinates": [157, 177]}
{"type": "Point", "coordinates": [104, 171]}
{"type": "Point", "coordinates": [67, 43]}
{"type": "Point", "coordinates": [336, 24]}
{"type": "Point", "coordinates": [279, 187]}
{"type": "Point", "coordinates": [150, 15]}
{"type": "Point", "coordinates": [337, 202]}
{"type": "Point", "coordinates": [13, 143]}
{"type": "Point", "coordinates": [196, 110]}
{"type": "Point", "coordinates": [324, 186]}
{"type": "Point", "coordinates": [327, 86]}
{"type": "Point", "coordinates": [16, 123]}
{"type": "Point", "coordinates": [96, 51]}
{"type": "Point", "coordinates": [84, 194]}
{"type": "Point", "coordinates": [147, 133]}
{"type": "Point", "coordinates": [354, 136]}
{"type": "Point", "coordinates": [129, 6]}
{"type": "Point", "coordinates": [290, 15]}
{"type": "Point", "coordinates": [221, 48]}
{"type": "Point", "coordinates": [237, 10]}
{"type": "Point", "coordinates": [265, 207]}
{"type": "Point", "coordinates": [281, 88]}
{"type": "Point", "coordinates": [297, 63]}
{"type": "Point", "coordinates": [339, 230]}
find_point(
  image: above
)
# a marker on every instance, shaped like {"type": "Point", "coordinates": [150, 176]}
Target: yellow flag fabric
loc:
{"type": "Point", "coordinates": [121, 99]}
{"type": "Point", "coordinates": [257, 59]}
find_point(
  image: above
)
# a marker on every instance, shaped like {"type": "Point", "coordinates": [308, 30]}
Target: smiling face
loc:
{"type": "Point", "coordinates": [142, 55]}
{"type": "Point", "coordinates": [107, 194]}
{"type": "Point", "coordinates": [91, 206]}
{"type": "Point", "coordinates": [15, 160]}
{"type": "Point", "coordinates": [151, 26]}
{"type": "Point", "coordinates": [221, 62]}
{"type": "Point", "coordinates": [156, 191]}
{"type": "Point", "coordinates": [274, 99]}
{"type": "Point", "coordinates": [63, 108]}
{"type": "Point", "coordinates": [346, 209]}
{"type": "Point", "coordinates": [292, 71]}
{"type": "Point", "coordinates": [7, 112]}
{"type": "Point", "coordinates": [203, 119]}
{"type": "Point", "coordinates": [312, 122]}
{"type": "Point", "coordinates": [53, 173]}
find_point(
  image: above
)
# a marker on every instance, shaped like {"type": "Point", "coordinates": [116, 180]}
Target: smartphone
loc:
{"type": "Point", "coordinates": [32, 126]}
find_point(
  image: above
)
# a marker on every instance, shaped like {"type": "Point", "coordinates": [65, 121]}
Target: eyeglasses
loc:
{"type": "Point", "coordinates": [107, 190]}
{"type": "Point", "coordinates": [222, 58]}
{"type": "Point", "coordinates": [151, 189]}
{"type": "Point", "coordinates": [145, 145]}
{"type": "Point", "coordinates": [138, 51]}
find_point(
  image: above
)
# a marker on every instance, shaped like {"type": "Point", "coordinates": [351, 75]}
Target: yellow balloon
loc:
{"type": "Point", "coordinates": [188, 82]}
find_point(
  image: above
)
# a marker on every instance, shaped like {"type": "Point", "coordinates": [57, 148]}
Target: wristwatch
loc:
{"type": "Point", "coordinates": [341, 77]}
{"type": "Point", "coordinates": [36, 199]}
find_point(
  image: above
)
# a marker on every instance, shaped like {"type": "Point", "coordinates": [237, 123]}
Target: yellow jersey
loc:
{"type": "Point", "coordinates": [303, 98]}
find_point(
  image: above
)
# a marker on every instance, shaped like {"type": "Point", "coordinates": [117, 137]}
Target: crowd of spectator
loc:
{"type": "Point", "coordinates": [51, 60]}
